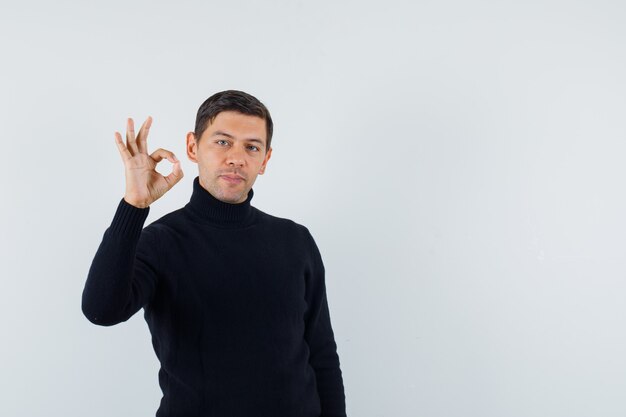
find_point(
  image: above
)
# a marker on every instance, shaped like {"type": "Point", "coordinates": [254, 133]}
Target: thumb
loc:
{"type": "Point", "coordinates": [175, 176]}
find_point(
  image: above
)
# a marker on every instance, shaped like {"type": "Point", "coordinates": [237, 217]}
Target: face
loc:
{"type": "Point", "coordinates": [230, 154]}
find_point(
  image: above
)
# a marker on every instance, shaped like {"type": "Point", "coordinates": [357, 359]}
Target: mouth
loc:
{"type": "Point", "coordinates": [232, 178]}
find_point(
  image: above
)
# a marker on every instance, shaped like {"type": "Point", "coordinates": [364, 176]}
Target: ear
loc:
{"type": "Point", "coordinates": [268, 154]}
{"type": "Point", "coordinates": [192, 147]}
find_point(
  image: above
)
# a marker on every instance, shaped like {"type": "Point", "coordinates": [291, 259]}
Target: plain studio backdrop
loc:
{"type": "Point", "coordinates": [460, 165]}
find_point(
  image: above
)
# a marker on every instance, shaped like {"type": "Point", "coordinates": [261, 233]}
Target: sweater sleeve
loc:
{"type": "Point", "coordinates": [122, 277]}
{"type": "Point", "coordinates": [321, 340]}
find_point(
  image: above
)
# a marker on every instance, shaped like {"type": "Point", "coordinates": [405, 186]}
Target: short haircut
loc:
{"type": "Point", "coordinates": [233, 100]}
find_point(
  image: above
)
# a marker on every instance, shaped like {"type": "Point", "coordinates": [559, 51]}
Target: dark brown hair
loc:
{"type": "Point", "coordinates": [233, 100]}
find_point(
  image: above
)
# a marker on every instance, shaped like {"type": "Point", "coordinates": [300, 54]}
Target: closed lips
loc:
{"type": "Point", "coordinates": [233, 177]}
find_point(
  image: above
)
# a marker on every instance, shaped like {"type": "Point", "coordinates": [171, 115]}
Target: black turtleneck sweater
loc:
{"type": "Point", "coordinates": [236, 304]}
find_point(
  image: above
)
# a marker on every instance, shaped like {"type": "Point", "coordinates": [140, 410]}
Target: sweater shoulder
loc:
{"type": "Point", "coordinates": [170, 220]}
{"type": "Point", "coordinates": [281, 223]}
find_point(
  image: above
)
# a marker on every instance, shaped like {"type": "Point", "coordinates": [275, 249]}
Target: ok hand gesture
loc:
{"type": "Point", "coordinates": [144, 184]}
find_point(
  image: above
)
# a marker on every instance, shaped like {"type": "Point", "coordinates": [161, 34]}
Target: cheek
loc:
{"type": "Point", "coordinates": [210, 158]}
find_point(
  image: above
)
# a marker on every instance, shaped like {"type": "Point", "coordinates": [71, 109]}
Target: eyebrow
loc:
{"type": "Point", "coordinates": [221, 133]}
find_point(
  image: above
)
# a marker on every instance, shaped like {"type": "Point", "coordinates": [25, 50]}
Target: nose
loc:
{"type": "Point", "coordinates": [235, 157]}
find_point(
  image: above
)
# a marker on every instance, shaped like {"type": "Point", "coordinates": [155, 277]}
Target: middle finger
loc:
{"type": "Point", "coordinates": [142, 136]}
{"type": "Point", "coordinates": [131, 142]}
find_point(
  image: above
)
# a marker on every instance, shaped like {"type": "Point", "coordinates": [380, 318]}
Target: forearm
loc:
{"type": "Point", "coordinates": [113, 291]}
{"type": "Point", "coordinates": [325, 361]}
{"type": "Point", "coordinates": [321, 339]}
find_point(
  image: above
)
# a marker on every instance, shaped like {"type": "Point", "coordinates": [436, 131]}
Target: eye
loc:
{"type": "Point", "coordinates": [222, 142]}
{"type": "Point", "coordinates": [253, 148]}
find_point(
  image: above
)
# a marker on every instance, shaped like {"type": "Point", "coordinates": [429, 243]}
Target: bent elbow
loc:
{"type": "Point", "coordinates": [99, 316]}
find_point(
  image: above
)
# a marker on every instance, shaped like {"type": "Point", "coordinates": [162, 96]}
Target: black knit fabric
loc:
{"type": "Point", "coordinates": [236, 303]}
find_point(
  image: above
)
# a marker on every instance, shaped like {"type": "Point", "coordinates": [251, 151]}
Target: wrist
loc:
{"type": "Point", "coordinates": [135, 203]}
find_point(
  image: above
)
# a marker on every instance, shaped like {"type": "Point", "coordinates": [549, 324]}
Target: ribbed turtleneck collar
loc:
{"type": "Point", "coordinates": [210, 209]}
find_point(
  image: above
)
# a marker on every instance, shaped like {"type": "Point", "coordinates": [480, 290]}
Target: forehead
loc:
{"type": "Point", "coordinates": [237, 125]}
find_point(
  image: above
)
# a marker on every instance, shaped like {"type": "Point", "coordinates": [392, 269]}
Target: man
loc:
{"type": "Point", "coordinates": [235, 299]}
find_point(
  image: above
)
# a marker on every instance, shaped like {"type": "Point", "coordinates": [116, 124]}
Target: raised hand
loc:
{"type": "Point", "coordinates": [144, 184]}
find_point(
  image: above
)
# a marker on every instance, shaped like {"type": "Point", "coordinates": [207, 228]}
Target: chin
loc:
{"type": "Point", "coordinates": [232, 198]}
{"type": "Point", "coordinates": [225, 195]}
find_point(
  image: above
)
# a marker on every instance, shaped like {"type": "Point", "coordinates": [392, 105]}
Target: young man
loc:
{"type": "Point", "coordinates": [235, 298]}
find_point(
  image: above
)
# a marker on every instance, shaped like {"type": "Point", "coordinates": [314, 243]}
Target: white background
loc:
{"type": "Point", "coordinates": [460, 165]}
